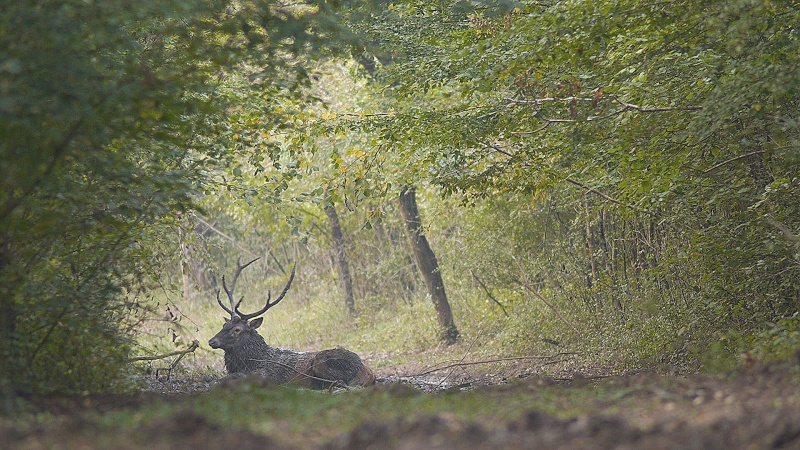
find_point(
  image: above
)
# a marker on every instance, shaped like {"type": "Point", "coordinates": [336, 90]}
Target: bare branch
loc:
{"type": "Point", "coordinates": [488, 293]}
{"type": "Point", "coordinates": [194, 346]}
{"type": "Point", "coordinates": [496, 360]}
{"type": "Point", "coordinates": [538, 130]}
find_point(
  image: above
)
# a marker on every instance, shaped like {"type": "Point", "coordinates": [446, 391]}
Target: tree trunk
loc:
{"type": "Point", "coordinates": [9, 357]}
{"type": "Point", "coordinates": [428, 265]}
{"type": "Point", "coordinates": [340, 258]}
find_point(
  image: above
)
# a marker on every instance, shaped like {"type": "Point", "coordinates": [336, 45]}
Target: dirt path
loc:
{"type": "Point", "coordinates": [754, 409]}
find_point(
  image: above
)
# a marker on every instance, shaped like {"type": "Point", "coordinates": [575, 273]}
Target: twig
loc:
{"type": "Point", "coordinates": [526, 285]}
{"type": "Point", "coordinates": [461, 361]}
{"type": "Point", "coordinates": [488, 293]}
{"type": "Point", "coordinates": [194, 346]}
{"type": "Point", "coordinates": [528, 133]}
{"type": "Point", "coordinates": [573, 181]}
{"type": "Point", "coordinates": [539, 101]}
{"type": "Point", "coordinates": [605, 196]}
{"type": "Point", "coordinates": [490, 361]}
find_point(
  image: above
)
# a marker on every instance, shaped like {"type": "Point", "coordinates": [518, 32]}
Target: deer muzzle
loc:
{"type": "Point", "coordinates": [214, 342]}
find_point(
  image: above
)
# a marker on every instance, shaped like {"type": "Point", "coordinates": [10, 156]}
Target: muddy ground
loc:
{"type": "Point", "coordinates": [757, 408]}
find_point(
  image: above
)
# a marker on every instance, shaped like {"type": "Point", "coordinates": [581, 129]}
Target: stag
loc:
{"type": "Point", "coordinates": [246, 351]}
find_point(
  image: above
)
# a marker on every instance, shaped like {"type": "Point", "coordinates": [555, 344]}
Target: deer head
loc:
{"type": "Point", "coordinates": [239, 326]}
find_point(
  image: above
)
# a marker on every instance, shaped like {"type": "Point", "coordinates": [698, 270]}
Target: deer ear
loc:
{"type": "Point", "coordinates": [255, 323]}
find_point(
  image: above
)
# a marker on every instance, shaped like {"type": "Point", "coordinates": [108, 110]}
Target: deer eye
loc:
{"type": "Point", "coordinates": [236, 331]}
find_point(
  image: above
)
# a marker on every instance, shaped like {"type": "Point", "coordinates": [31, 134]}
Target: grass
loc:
{"type": "Point", "coordinates": [302, 417]}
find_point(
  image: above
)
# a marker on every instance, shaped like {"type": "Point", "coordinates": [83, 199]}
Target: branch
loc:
{"type": "Point", "coordinates": [573, 181]}
{"type": "Point", "coordinates": [787, 233]}
{"type": "Point", "coordinates": [488, 293]}
{"type": "Point", "coordinates": [526, 285]}
{"type": "Point", "coordinates": [538, 130]}
{"type": "Point", "coordinates": [607, 197]}
{"type": "Point", "coordinates": [191, 349]}
{"type": "Point", "coordinates": [461, 361]}
{"type": "Point", "coordinates": [58, 154]}
{"type": "Point", "coordinates": [232, 240]}
{"type": "Point", "coordinates": [299, 375]}
{"type": "Point", "coordinates": [724, 163]}
{"type": "Point", "coordinates": [651, 110]}
{"type": "Point", "coordinates": [625, 107]}
{"type": "Point", "coordinates": [539, 101]}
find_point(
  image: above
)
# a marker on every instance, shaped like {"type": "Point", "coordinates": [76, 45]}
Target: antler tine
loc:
{"type": "Point", "coordinates": [233, 311]}
{"type": "Point", "coordinates": [239, 269]}
{"type": "Point", "coordinates": [269, 304]}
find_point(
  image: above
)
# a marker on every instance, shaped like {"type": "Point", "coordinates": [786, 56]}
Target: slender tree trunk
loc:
{"type": "Point", "coordinates": [428, 265]}
{"type": "Point", "coordinates": [185, 272]}
{"type": "Point", "coordinates": [590, 249]}
{"type": "Point", "coordinates": [340, 258]}
{"type": "Point", "coordinates": [9, 357]}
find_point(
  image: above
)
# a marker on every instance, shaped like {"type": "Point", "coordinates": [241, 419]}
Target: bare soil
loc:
{"type": "Point", "coordinates": [757, 408]}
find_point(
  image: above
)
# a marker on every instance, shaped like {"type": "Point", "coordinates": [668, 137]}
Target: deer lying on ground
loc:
{"type": "Point", "coordinates": [247, 352]}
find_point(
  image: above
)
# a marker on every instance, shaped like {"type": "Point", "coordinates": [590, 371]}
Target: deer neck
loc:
{"type": "Point", "coordinates": [249, 356]}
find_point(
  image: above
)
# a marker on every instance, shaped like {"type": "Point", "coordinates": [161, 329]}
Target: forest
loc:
{"type": "Point", "coordinates": [565, 193]}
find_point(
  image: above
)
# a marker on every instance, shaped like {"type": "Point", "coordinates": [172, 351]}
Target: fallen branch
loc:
{"type": "Point", "coordinates": [490, 361]}
{"type": "Point", "coordinates": [461, 361]}
{"type": "Point", "coordinates": [194, 346]}
{"type": "Point", "coordinates": [584, 378]}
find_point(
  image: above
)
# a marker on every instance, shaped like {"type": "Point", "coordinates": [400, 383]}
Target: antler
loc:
{"type": "Point", "coordinates": [233, 311]}
{"type": "Point", "coordinates": [269, 304]}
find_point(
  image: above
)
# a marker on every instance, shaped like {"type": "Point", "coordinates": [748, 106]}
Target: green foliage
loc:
{"type": "Point", "coordinates": [640, 150]}
{"type": "Point", "coordinates": [618, 173]}
{"type": "Point", "coordinates": [113, 118]}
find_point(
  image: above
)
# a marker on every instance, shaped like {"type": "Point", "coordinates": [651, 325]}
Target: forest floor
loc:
{"type": "Point", "coordinates": [506, 404]}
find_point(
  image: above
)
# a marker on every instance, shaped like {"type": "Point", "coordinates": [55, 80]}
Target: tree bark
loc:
{"type": "Point", "coordinates": [340, 258]}
{"type": "Point", "coordinates": [428, 265]}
